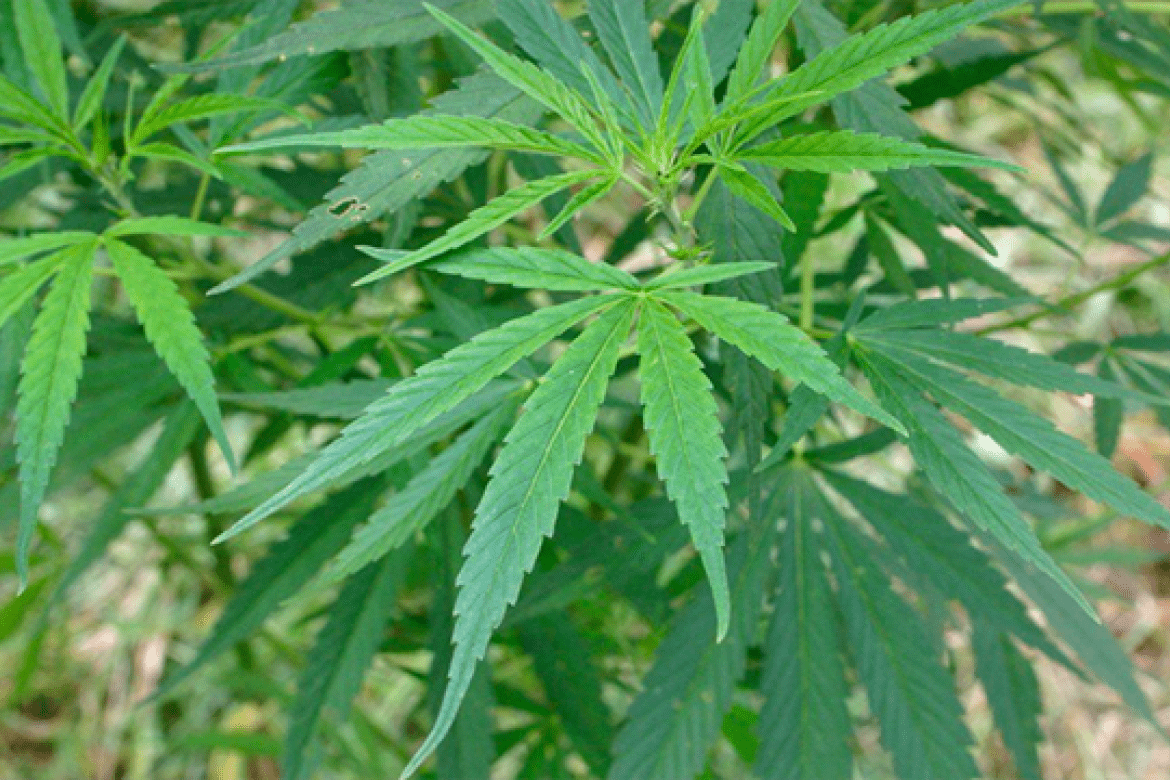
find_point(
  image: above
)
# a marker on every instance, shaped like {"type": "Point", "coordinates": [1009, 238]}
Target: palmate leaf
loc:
{"type": "Point", "coordinates": [171, 329]}
{"type": "Point", "coordinates": [956, 471]}
{"type": "Point", "coordinates": [362, 24]}
{"type": "Point", "coordinates": [625, 34]}
{"type": "Point", "coordinates": [860, 58]}
{"type": "Point", "coordinates": [537, 269]}
{"type": "Point", "coordinates": [804, 727]}
{"type": "Point", "coordinates": [49, 375]}
{"type": "Point", "coordinates": [284, 570]}
{"type": "Point", "coordinates": [338, 661]}
{"type": "Point", "coordinates": [529, 479]}
{"type": "Point", "coordinates": [682, 421]}
{"type": "Point", "coordinates": [483, 220]}
{"type": "Point", "coordinates": [430, 132]}
{"type": "Point", "coordinates": [842, 151]}
{"type": "Point", "coordinates": [388, 181]}
{"type": "Point", "coordinates": [438, 387]}
{"type": "Point", "coordinates": [1031, 437]}
{"type": "Point", "coordinates": [910, 692]}
{"type": "Point", "coordinates": [770, 339]}
{"type": "Point", "coordinates": [676, 719]}
{"type": "Point", "coordinates": [423, 498]}
{"type": "Point", "coordinates": [1013, 694]}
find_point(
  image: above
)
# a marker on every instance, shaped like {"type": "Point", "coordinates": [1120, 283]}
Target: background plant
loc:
{"type": "Point", "coordinates": [637, 454]}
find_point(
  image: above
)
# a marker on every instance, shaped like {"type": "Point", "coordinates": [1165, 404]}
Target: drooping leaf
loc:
{"type": "Point", "coordinates": [1013, 694]}
{"type": "Point", "coordinates": [49, 375]}
{"type": "Point", "coordinates": [682, 422]}
{"type": "Point", "coordinates": [529, 479]}
{"type": "Point", "coordinates": [770, 339]}
{"type": "Point", "coordinates": [910, 692]}
{"type": "Point", "coordinates": [483, 220]}
{"type": "Point", "coordinates": [338, 661]}
{"type": "Point", "coordinates": [171, 329]}
{"type": "Point", "coordinates": [438, 387]}
{"type": "Point", "coordinates": [536, 268]}
{"type": "Point", "coordinates": [804, 726]}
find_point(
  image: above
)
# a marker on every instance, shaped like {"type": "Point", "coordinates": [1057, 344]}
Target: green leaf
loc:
{"type": "Point", "coordinates": [910, 692]}
{"type": "Point", "coordinates": [344, 401]}
{"type": "Point", "coordinates": [172, 153]}
{"type": "Point", "coordinates": [584, 197]}
{"type": "Point", "coordinates": [196, 108]}
{"type": "Point", "coordinates": [682, 422]}
{"type": "Point", "coordinates": [170, 225]}
{"type": "Point", "coordinates": [1108, 415]}
{"type": "Point", "coordinates": [529, 79]}
{"type": "Point", "coordinates": [19, 286]}
{"type": "Point", "coordinates": [285, 569]}
{"type": "Point", "coordinates": [956, 471]}
{"type": "Point", "coordinates": [537, 269]}
{"type": "Point", "coordinates": [675, 278]}
{"type": "Point", "coordinates": [430, 132]}
{"type": "Point", "coordinates": [424, 497]}
{"type": "Point", "coordinates": [676, 718]}
{"type": "Point", "coordinates": [529, 480]}
{"type": "Point", "coordinates": [937, 311]}
{"type": "Point", "coordinates": [755, 56]}
{"type": "Point", "coordinates": [770, 339]}
{"type": "Point", "coordinates": [1014, 695]}
{"type": "Point", "coordinates": [340, 657]}
{"type": "Point", "coordinates": [842, 151]}
{"type": "Point", "coordinates": [49, 376]}
{"type": "Point", "coordinates": [625, 34]}
{"type": "Point", "coordinates": [90, 102]}
{"type": "Point", "coordinates": [1033, 438]}
{"type": "Point", "coordinates": [744, 185]}
{"type": "Point", "coordinates": [804, 727]}
{"type": "Point", "coordinates": [1126, 189]}
{"type": "Point", "coordinates": [364, 24]}
{"type": "Point", "coordinates": [171, 329]}
{"type": "Point", "coordinates": [438, 387]}
{"type": "Point", "coordinates": [14, 249]}
{"type": "Point", "coordinates": [42, 53]}
{"type": "Point", "coordinates": [483, 220]}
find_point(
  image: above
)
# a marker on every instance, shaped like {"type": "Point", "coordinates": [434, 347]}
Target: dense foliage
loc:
{"type": "Point", "coordinates": [593, 360]}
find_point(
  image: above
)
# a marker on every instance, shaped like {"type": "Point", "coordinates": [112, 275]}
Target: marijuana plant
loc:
{"type": "Point", "coordinates": [531, 405]}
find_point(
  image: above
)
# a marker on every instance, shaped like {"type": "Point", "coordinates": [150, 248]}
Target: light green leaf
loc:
{"type": "Point", "coordinates": [483, 220]}
{"type": "Point", "coordinates": [196, 108]}
{"type": "Point", "coordinates": [910, 692]}
{"type": "Point", "coordinates": [91, 98]}
{"type": "Point", "coordinates": [529, 79]}
{"type": "Point", "coordinates": [170, 226]}
{"type": "Point", "coordinates": [172, 153]}
{"type": "Point", "coordinates": [587, 195]}
{"type": "Point", "coordinates": [19, 286]}
{"type": "Point", "coordinates": [842, 151]}
{"type": "Point", "coordinates": [438, 387]}
{"type": "Point", "coordinates": [171, 329]}
{"type": "Point", "coordinates": [14, 249]}
{"type": "Point", "coordinates": [425, 496]}
{"type": "Point", "coordinates": [744, 185]}
{"type": "Point", "coordinates": [529, 480]}
{"type": "Point", "coordinates": [538, 269]}
{"type": "Point", "coordinates": [956, 471]}
{"type": "Point", "coordinates": [804, 727]}
{"type": "Point", "coordinates": [625, 34]}
{"type": "Point", "coordinates": [674, 278]}
{"type": "Point", "coordinates": [430, 132]}
{"type": "Point", "coordinates": [49, 376]}
{"type": "Point", "coordinates": [339, 659]}
{"type": "Point", "coordinates": [1013, 694]}
{"type": "Point", "coordinates": [770, 339]}
{"type": "Point", "coordinates": [42, 52]}
{"type": "Point", "coordinates": [18, 105]}
{"type": "Point", "coordinates": [682, 422]}
{"type": "Point", "coordinates": [285, 569]}
{"type": "Point", "coordinates": [755, 55]}
{"type": "Point", "coordinates": [1126, 189]}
